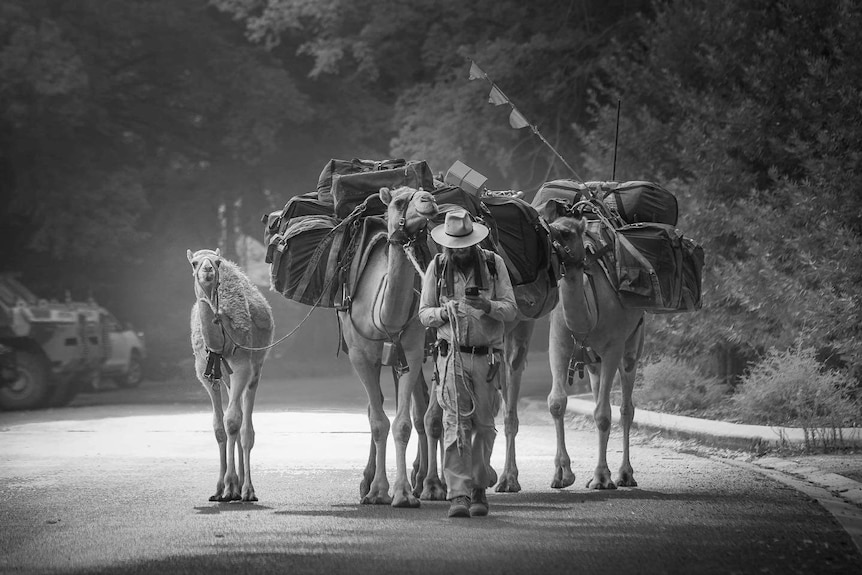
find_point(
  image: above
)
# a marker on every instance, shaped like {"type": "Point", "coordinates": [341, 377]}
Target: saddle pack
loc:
{"type": "Point", "coordinates": [631, 234]}
{"type": "Point", "coordinates": [348, 183]}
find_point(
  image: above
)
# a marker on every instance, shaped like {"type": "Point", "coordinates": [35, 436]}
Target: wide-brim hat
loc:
{"type": "Point", "coordinates": [459, 231]}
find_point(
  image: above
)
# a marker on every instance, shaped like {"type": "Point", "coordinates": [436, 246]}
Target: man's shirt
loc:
{"type": "Point", "coordinates": [476, 328]}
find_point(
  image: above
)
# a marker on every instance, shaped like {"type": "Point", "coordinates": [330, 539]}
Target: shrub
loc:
{"type": "Point", "coordinates": [791, 388]}
{"type": "Point", "coordinates": [674, 385]}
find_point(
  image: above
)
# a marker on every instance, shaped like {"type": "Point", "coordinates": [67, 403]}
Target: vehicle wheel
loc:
{"type": "Point", "coordinates": [29, 390]}
{"type": "Point", "coordinates": [134, 376]}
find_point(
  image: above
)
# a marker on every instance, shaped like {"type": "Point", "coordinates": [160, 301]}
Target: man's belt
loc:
{"type": "Point", "coordinates": [474, 349]}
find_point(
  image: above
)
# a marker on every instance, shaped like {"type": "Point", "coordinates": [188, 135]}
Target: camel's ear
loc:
{"type": "Point", "coordinates": [218, 252]}
{"type": "Point", "coordinates": [552, 210]}
{"type": "Point", "coordinates": [385, 195]}
{"type": "Point", "coordinates": [189, 255]}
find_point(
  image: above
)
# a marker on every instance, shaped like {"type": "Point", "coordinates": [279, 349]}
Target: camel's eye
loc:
{"type": "Point", "coordinates": [218, 263]}
{"type": "Point", "coordinates": [195, 264]}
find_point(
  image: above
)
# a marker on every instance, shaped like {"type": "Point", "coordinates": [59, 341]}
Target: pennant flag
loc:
{"type": "Point", "coordinates": [475, 71]}
{"type": "Point", "coordinates": [496, 97]}
{"type": "Point", "coordinates": [516, 120]}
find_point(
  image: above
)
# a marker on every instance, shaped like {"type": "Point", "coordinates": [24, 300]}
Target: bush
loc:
{"type": "Point", "coordinates": [673, 385]}
{"type": "Point", "coordinates": [791, 388]}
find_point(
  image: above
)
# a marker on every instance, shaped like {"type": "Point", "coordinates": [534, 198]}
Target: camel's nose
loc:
{"type": "Point", "coordinates": [428, 206]}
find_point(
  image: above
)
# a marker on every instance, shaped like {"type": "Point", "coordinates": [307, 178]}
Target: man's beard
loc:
{"type": "Point", "coordinates": [462, 258]}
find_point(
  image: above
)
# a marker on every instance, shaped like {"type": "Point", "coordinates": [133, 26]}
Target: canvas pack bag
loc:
{"type": "Point", "coordinates": [525, 246]}
{"type": "Point", "coordinates": [638, 201]}
{"type": "Point", "coordinates": [306, 260]}
{"type": "Point", "coordinates": [658, 270]}
{"type": "Point", "coordinates": [353, 166]}
{"type": "Point", "coordinates": [297, 206]}
{"type": "Point", "coordinates": [350, 190]}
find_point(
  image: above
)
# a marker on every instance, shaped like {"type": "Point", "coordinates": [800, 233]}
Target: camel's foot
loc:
{"type": "Point", "coordinates": [376, 494]}
{"type": "Point", "coordinates": [563, 477]}
{"type": "Point", "coordinates": [405, 498]}
{"type": "Point", "coordinates": [228, 495]}
{"type": "Point", "coordinates": [248, 494]}
{"type": "Point", "coordinates": [218, 491]}
{"type": "Point", "coordinates": [601, 479]}
{"type": "Point", "coordinates": [433, 490]}
{"type": "Point", "coordinates": [626, 478]}
{"type": "Point", "coordinates": [508, 482]}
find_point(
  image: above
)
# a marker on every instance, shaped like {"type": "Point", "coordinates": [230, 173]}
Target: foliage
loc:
{"type": "Point", "coordinates": [416, 54]}
{"type": "Point", "coordinates": [673, 385]}
{"type": "Point", "coordinates": [125, 125]}
{"type": "Point", "coordinates": [791, 388]}
{"type": "Point", "coordinates": [749, 112]}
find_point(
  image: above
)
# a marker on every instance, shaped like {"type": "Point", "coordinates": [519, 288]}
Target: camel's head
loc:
{"type": "Point", "coordinates": [567, 233]}
{"type": "Point", "coordinates": [408, 212]}
{"type": "Point", "coordinates": [205, 267]}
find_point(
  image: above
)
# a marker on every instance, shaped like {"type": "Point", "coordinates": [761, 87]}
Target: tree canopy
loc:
{"type": "Point", "coordinates": [124, 126]}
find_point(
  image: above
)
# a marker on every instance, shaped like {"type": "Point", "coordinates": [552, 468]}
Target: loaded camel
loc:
{"type": "Point", "coordinates": [383, 307]}
{"type": "Point", "coordinates": [229, 316]}
{"type": "Point", "coordinates": [590, 313]}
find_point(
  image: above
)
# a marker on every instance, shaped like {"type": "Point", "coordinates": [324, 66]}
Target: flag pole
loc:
{"type": "Point", "coordinates": [476, 72]}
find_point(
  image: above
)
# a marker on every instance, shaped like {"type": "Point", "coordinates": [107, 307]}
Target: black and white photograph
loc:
{"type": "Point", "coordinates": [430, 287]}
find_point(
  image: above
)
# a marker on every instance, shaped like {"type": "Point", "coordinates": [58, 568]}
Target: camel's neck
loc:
{"type": "Point", "coordinates": [580, 319]}
{"type": "Point", "coordinates": [398, 292]}
{"type": "Point", "coordinates": [212, 332]}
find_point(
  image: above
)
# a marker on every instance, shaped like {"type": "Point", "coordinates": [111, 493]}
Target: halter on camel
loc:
{"type": "Point", "coordinates": [215, 359]}
{"type": "Point", "coordinates": [407, 242]}
{"type": "Point", "coordinates": [582, 353]}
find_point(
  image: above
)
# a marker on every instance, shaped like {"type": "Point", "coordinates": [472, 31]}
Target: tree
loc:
{"type": "Point", "coordinates": [415, 57]}
{"type": "Point", "coordinates": [749, 111]}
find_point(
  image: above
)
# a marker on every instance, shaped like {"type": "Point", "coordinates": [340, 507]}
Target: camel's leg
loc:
{"type": "Point", "coordinates": [233, 421]}
{"type": "Point", "coordinates": [602, 414]}
{"type": "Point", "coordinates": [402, 426]}
{"type": "Point", "coordinates": [365, 358]}
{"type": "Point", "coordinates": [628, 368]}
{"type": "Point", "coordinates": [433, 489]}
{"type": "Point", "coordinates": [218, 424]}
{"type": "Point", "coordinates": [418, 409]}
{"type": "Point", "coordinates": [559, 352]}
{"type": "Point", "coordinates": [370, 469]}
{"type": "Point", "coordinates": [517, 346]}
{"type": "Point", "coordinates": [246, 433]}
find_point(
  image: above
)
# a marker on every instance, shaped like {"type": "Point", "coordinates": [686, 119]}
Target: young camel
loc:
{"type": "Point", "coordinates": [230, 314]}
{"type": "Point", "coordinates": [383, 308]}
{"type": "Point", "coordinates": [591, 314]}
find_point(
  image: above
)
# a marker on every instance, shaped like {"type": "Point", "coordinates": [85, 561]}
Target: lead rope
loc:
{"type": "Point", "coordinates": [455, 363]}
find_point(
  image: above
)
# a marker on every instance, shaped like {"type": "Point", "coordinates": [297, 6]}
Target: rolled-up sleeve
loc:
{"type": "Point", "coordinates": [430, 313]}
{"type": "Point", "coordinates": [503, 306]}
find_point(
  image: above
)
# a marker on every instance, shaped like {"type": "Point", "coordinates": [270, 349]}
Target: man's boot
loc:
{"type": "Point", "coordinates": [460, 506]}
{"type": "Point", "coordinates": [479, 503]}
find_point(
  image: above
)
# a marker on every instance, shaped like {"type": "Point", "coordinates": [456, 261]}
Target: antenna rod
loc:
{"type": "Point", "coordinates": [616, 140]}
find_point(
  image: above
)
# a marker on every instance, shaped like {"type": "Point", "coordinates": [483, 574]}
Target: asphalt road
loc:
{"type": "Point", "coordinates": [119, 482]}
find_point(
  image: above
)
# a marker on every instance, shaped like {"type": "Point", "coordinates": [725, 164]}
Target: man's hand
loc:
{"type": "Point", "coordinates": [444, 314]}
{"type": "Point", "coordinates": [479, 302]}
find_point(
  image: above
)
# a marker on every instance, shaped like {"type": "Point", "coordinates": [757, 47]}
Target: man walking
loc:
{"type": "Point", "coordinates": [467, 296]}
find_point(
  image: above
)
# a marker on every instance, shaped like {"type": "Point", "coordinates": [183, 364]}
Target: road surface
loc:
{"type": "Point", "coordinates": [119, 483]}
